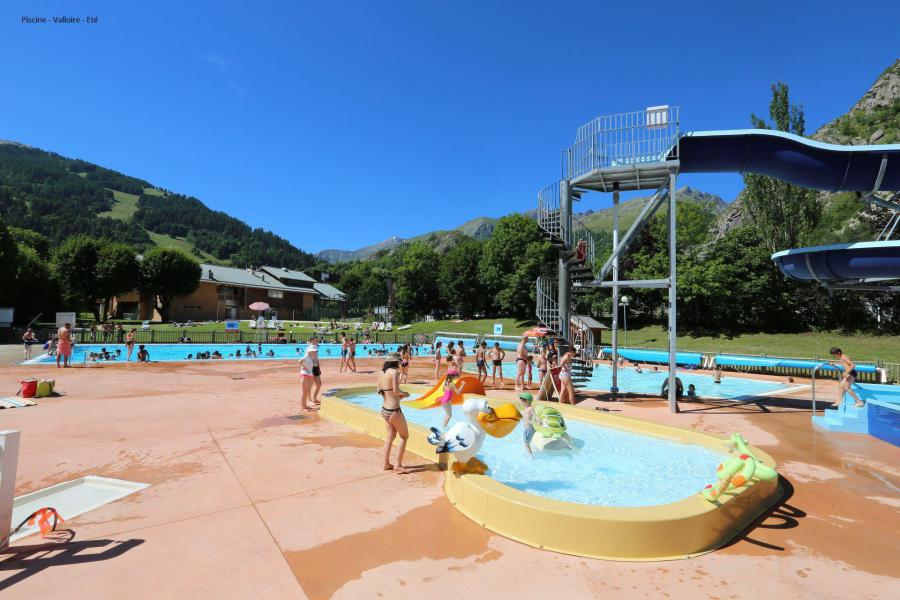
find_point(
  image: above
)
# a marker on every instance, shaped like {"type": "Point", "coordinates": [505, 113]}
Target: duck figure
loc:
{"type": "Point", "coordinates": [464, 438]}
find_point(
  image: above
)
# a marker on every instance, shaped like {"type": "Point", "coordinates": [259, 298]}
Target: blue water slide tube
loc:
{"type": "Point", "coordinates": [728, 360]}
{"type": "Point", "coordinates": [658, 356]}
{"type": "Point", "coordinates": [842, 262]}
{"type": "Point", "coordinates": [797, 160]}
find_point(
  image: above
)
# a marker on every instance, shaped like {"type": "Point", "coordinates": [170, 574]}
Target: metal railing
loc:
{"type": "Point", "coordinates": [548, 216]}
{"type": "Point", "coordinates": [547, 310]}
{"type": "Point", "coordinates": [581, 232]}
{"type": "Point", "coordinates": [644, 136]}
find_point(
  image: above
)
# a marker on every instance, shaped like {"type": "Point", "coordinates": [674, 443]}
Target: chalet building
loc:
{"type": "Point", "coordinates": [227, 293]}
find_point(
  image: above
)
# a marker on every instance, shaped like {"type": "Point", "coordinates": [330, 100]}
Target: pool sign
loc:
{"type": "Point", "coordinates": [232, 325]}
{"type": "Point", "coordinates": [498, 328]}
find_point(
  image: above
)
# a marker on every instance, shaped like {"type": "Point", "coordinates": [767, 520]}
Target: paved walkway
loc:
{"type": "Point", "coordinates": [250, 499]}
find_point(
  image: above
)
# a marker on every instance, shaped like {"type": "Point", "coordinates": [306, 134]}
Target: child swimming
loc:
{"type": "Point", "coordinates": [527, 420]}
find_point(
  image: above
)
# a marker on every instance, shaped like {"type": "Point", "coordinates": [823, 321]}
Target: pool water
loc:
{"type": "Point", "coordinates": [650, 383]}
{"type": "Point", "coordinates": [610, 468]}
{"type": "Point", "coordinates": [179, 352]}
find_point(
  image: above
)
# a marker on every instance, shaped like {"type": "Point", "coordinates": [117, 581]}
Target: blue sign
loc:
{"type": "Point", "coordinates": [232, 325]}
{"type": "Point", "coordinates": [498, 328]}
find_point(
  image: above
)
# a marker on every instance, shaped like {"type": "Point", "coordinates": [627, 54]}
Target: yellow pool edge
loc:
{"type": "Point", "coordinates": [677, 530]}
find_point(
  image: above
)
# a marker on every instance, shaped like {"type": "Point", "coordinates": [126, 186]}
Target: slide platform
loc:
{"type": "Point", "coordinates": [432, 398]}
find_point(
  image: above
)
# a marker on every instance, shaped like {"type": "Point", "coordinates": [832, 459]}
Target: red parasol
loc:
{"type": "Point", "coordinates": [259, 306]}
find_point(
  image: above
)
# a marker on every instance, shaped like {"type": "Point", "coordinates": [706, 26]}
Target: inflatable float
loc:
{"type": "Point", "coordinates": [464, 438]}
{"type": "Point", "coordinates": [466, 384]}
{"type": "Point", "coordinates": [738, 471]}
{"type": "Point", "coordinates": [550, 430]}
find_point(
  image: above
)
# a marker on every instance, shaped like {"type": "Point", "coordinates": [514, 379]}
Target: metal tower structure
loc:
{"type": "Point", "coordinates": [611, 154]}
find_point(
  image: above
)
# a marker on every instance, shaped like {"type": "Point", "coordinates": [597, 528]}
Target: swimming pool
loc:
{"type": "Point", "coordinates": [612, 467]}
{"type": "Point", "coordinates": [650, 382]}
{"type": "Point", "coordinates": [179, 352]}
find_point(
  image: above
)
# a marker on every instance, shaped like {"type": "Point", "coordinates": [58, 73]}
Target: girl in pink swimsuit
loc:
{"type": "Point", "coordinates": [449, 391]}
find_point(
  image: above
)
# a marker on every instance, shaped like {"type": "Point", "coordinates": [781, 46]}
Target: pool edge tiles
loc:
{"type": "Point", "coordinates": [681, 529]}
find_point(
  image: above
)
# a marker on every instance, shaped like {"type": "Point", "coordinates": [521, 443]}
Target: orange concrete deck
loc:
{"type": "Point", "coordinates": [249, 501]}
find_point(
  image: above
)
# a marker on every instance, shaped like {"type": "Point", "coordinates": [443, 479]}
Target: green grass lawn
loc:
{"type": "Point", "coordinates": [800, 345]}
{"type": "Point", "coordinates": [482, 326]}
{"type": "Point", "coordinates": [167, 241]}
{"type": "Point", "coordinates": [124, 207]}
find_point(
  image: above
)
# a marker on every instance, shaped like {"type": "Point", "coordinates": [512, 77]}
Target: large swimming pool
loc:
{"type": "Point", "coordinates": [611, 467]}
{"type": "Point", "coordinates": [650, 382]}
{"type": "Point", "coordinates": [180, 352]}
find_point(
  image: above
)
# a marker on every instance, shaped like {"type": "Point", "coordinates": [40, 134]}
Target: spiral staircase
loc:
{"type": "Point", "coordinates": [576, 247]}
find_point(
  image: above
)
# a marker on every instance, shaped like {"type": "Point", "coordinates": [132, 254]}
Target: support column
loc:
{"type": "Point", "coordinates": [565, 227]}
{"type": "Point", "coordinates": [673, 329]}
{"type": "Point", "coordinates": [614, 388]}
{"type": "Point", "coordinates": [9, 459]}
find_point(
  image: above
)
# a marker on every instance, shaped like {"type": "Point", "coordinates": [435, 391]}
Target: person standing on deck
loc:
{"type": "Point", "coordinates": [849, 376]}
{"type": "Point", "coordinates": [521, 362]}
{"type": "Point", "coordinates": [351, 354]}
{"type": "Point", "coordinates": [64, 345]}
{"type": "Point", "coordinates": [481, 362]}
{"type": "Point", "coordinates": [312, 350]}
{"type": "Point", "coordinates": [394, 421]}
{"type": "Point", "coordinates": [344, 350]}
{"type": "Point", "coordinates": [29, 339]}
{"type": "Point", "coordinates": [437, 360]}
{"type": "Point", "coordinates": [497, 355]}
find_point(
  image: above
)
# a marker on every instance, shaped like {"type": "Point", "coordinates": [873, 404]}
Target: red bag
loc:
{"type": "Point", "coordinates": [29, 388]}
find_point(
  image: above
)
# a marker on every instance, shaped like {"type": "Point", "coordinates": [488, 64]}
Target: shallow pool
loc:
{"type": "Point", "coordinates": [180, 352]}
{"type": "Point", "coordinates": [650, 382]}
{"type": "Point", "coordinates": [611, 468]}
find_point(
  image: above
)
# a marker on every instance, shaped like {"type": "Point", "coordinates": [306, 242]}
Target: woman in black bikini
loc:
{"type": "Point", "coordinates": [405, 358]}
{"type": "Point", "coordinates": [391, 394]}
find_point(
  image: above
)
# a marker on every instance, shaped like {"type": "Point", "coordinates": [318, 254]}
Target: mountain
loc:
{"type": "Point", "coordinates": [334, 256]}
{"type": "Point", "coordinates": [874, 119]}
{"type": "Point", "coordinates": [441, 240]}
{"type": "Point", "coordinates": [601, 221]}
{"type": "Point", "coordinates": [483, 227]}
{"type": "Point", "coordinates": [59, 197]}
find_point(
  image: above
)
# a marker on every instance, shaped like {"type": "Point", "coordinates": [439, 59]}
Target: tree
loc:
{"type": "Point", "coordinates": [461, 290]}
{"type": "Point", "coordinates": [117, 272]}
{"type": "Point", "coordinates": [784, 214]}
{"type": "Point", "coordinates": [168, 274]}
{"type": "Point", "coordinates": [74, 264]}
{"type": "Point", "coordinates": [513, 258]}
{"type": "Point", "coordinates": [416, 292]}
{"type": "Point", "coordinates": [9, 253]}
{"type": "Point", "coordinates": [36, 292]}
{"type": "Point", "coordinates": [33, 239]}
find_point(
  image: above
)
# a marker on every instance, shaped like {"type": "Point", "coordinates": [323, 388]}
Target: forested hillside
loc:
{"type": "Point", "coordinates": [60, 197]}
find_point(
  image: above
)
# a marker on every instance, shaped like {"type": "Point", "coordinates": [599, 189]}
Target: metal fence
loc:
{"type": "Point", "coordinates": [153, 336]}
{"type": "Point", "coordinates": [644, 136]}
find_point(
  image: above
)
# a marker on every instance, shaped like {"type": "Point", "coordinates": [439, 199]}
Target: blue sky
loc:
{"type": "Point", "coordinates": [337, 125]}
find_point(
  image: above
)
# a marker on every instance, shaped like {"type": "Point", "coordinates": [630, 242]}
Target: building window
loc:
{"type": "Point", "coordinates": [276, 294]}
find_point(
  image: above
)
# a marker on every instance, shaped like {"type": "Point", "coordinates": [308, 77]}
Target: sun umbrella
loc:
{"type": "Point", "coordinates": [536, 332]}
{"type": "Point", "coordinates": [260, 306]}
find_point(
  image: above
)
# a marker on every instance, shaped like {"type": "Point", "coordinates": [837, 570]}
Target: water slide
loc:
{"type": "Point", "coordinates": [432, 398]}
{"type": "Point", "coordinates": [814, 165]}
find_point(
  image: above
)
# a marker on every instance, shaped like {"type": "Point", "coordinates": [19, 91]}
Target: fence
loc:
{"type": "Point", "coordinates": [644, 136]}
{"type": "Point", "coordinates": [892, 370]}
{"type": "Point", "coordinates": [14, 336]}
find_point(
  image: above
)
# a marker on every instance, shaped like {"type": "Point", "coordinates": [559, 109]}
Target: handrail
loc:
{"type": "Point", "coordinates": [815, 370]}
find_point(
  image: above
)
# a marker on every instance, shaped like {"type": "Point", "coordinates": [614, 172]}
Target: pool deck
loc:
{"type": "Point", "coordinates": [249, 501]}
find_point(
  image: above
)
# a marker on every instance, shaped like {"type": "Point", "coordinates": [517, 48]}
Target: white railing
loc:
{"type": "Point", "coordinates": [640, 137]}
